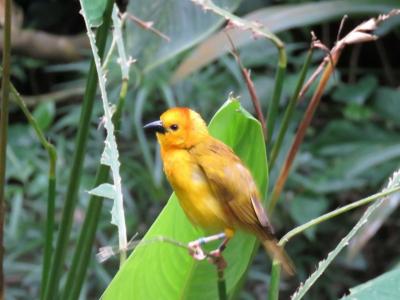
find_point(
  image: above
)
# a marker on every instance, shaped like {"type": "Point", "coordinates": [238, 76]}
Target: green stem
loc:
{"type": "Point", "coordinates": [121, 103]}
{"type": "Point", "coordinates": [110, 51]}
{"type": "Point", "coordinates": [49, 229]}
{"type": "Point", "coordinates": [221, 285]}
{"type": "Point", "coordinates": [77, 163]}
{"type": "Point", "coordinates": [273, 107]}
{"type": "Point", "coordinates": [5, 89]}
{"type": "Point", "coordinates": [81, 258]}
{"type": "Point", "coordinates": [335, 213]}
{"type": "Point", "coordinates": [301, 131]}
{"type": "Point", "coordinates": [273, 291]}
{"type": "Point", "coordinates": [289, 110]}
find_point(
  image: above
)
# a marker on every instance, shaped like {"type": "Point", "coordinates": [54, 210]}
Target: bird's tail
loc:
{"type": "Point", "coordinates": [278, 253]}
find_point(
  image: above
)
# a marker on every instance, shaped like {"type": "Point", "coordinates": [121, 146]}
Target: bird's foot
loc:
{"type": "Point", "coordinates": [215, 257]}
{"type": "Point", "coordinates": [196, 251]}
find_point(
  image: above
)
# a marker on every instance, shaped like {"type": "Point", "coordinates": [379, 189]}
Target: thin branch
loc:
{"type": "Point", "coordinates": [249, 84]}
{"type": "Point", "coordinates": [345, 17]}
{"type": "Point", "coordinates": [334, 213]}
{"type": "Point", "coordinates": [311, 80]}
{"type": "Point", "coordinates": [319, 45]}
{"type": "Point", "coordinates": [146, 25]}
{"type": "Point", "coordinates": [257, 30]}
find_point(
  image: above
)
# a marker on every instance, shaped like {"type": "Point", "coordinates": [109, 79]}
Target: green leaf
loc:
{"type": "Point", "coordinates": [183, 22]}
{"type": "Point", "coordinates": [94, 11]}
{"type": "Point", "coordinates": [277, 19]}
{"type": "Point", "coordinates": [105, 190]}
{"type": "Point", "coordinates": [357, 112]}
{"type": "Point", "coordinates": [384, 287]}
{"type": "Point", "coordinates": [386, 103]}
{"type": "Point", "coordinates": [356, 93]}
{"type": "Point", "coordinates": [44, 114]}
{"type": "Point", "coordinates": [159, 270]}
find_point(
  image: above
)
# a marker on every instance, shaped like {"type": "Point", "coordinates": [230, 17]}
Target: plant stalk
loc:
{"type": "Point", "coordinates": [334, 213]}
{"type": "Point", "coordinates": [290, 110]}
{"type": "Point", "coordinates": [81, 258]}
{"type": "Point", "coordinates": [120, 105]}
{"type": "Point", "coordinates": [250, 87]}
{"type": "Point", "coordinates": [302, 131]}
{"type": "Point", "coordinates": [273, 291]}
{"type": "Point", "coordinates": [49, 228]}
{"type": "Point", "coordinates": [221, 285]}
{"type": "Point", "coordinates": [5, 89]}
{"type": "Point", "coordinates": [77, 163]}
{"type": "Point", "coordinates": [274, 105]}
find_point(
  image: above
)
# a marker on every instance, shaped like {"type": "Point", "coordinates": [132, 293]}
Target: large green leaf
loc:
{"type": "Point", "coordinates": [182, 21]}
{"type": "Point", "coordinates": [384, 287]}
{"type": "Point", "coordinates": [163, 271]}
{"type": "Point", "coordinates": [276, 19]}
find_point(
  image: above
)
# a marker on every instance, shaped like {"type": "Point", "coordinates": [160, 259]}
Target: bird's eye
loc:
{"type": "Point", "coordinates": [174, 127]}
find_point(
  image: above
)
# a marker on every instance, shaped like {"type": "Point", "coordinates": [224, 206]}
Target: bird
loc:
{"type": "Point", "coordinates": [214, 187]}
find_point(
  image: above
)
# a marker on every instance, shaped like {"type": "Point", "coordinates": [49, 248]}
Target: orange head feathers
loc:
{"type": "Point", "coordinates": [179, 127]}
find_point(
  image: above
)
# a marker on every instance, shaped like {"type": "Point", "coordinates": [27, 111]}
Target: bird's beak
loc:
{"type": "Point", "coordinates": [156, 126]}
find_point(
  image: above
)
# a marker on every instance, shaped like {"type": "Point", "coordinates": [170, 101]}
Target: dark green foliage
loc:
{"type": "Point", "coordinates": [349, 151]}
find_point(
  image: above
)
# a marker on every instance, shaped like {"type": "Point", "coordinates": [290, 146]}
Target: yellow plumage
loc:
{"type": "Point", "coordinates": [214, 188]}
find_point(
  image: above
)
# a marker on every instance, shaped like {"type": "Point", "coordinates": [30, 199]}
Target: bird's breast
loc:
{"type": "Point", "coordinates": [193, 191]}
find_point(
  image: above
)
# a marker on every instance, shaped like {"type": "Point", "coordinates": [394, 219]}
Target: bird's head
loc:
{"type": "Point", "coordinates": [179, 127]}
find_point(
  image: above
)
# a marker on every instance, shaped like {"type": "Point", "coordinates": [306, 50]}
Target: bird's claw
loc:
{"type": "Point", "coordinates": [196, 251]}
{"type": "Point", "coordinates": [215, 257]}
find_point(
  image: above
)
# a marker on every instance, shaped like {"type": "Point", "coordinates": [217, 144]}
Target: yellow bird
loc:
{"type": "Point", "coordinates": [215, 189]}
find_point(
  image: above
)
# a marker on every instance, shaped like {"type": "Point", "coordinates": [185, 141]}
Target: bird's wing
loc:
{"type": "Point", "coordinates": [232, 183]}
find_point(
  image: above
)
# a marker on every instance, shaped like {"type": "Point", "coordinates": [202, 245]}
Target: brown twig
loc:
{"type": "Point", "coordinates": [147, 25]}
{"type": "Point", "coordinates": [345, 17]}
{"type": "Point", "coordinates": [250, 86]}
{"type": "Point", "coordinates": [316, 43]}
{"type": "Point", "coordinates": [360, 34]}
{"type": "Point", "coordinates": [5, 89]}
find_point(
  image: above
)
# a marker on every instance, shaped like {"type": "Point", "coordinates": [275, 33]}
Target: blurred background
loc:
{"type": "Point", "coordinates": [350, 150]}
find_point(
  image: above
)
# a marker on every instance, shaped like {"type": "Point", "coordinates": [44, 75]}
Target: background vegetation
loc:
{"type": "Point", "coordinates": [349, 151]}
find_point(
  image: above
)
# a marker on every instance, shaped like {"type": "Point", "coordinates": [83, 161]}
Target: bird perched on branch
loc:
{"type": "Point", "coordinates": [215, 189]}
